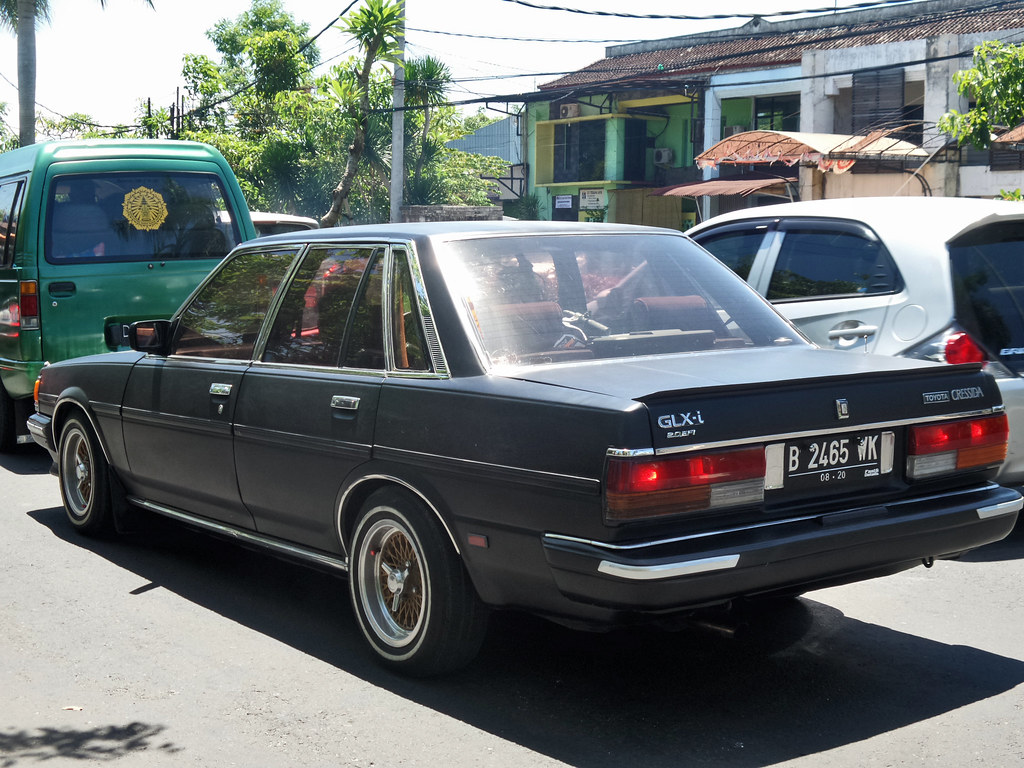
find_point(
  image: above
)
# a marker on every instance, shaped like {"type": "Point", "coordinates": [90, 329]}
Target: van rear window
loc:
{"type": "Point", "coordinates": [104, 217]}
{"type": "Point", "coordinates": [988, 287]}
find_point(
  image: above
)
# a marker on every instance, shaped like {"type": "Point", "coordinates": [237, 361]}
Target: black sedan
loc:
{"type": "Point", "coordinates": [596, 423]}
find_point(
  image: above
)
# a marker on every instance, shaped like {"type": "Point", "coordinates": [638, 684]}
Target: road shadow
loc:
{"type": "Point", "coordinates": [1010, 548]}
{"type": "Point", "coordinates": [656, 698]}
{"type": "Point", "coordinates": [92, 744]}
{"type": "Point", "coordinates": [26, 460]}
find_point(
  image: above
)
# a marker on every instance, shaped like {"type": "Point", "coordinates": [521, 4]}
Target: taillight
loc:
{"type": "Point", "coordinates": [638, 489]}
{"type": "Point", "coordinates": [961, 348]}
{"type": "Point", "coordinates": [28, 303]}
{"type": "Point", "coordinates": [955, 346]}
{"type": "Point", "coordinates": [935, 449]}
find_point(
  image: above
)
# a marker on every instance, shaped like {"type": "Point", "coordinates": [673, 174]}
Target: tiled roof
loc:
{"type": "Point", "coordinates": [750, 49]}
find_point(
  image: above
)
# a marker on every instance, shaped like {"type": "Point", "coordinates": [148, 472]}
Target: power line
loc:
{"type": "Point", "coordinates": [707, 17]}
{"type": "Point", "coordinates": [522, 39]}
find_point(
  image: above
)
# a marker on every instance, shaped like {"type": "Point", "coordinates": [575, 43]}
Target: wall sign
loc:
{"type": "Point", "coordinates": [592, 199]}
{"type": "Point", "coordinates": [563, 201]}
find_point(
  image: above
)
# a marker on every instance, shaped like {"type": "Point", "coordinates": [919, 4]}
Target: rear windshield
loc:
{"type": "Point", "coordinates": [138, 217]}
{"type": "Point", "coordinates": [550, 299]}
{"type": "Point", "coordinates": [988, 285]}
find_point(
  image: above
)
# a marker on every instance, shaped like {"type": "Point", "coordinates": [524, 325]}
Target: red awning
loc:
{"type": "Point", "coordinates": [728, 185]}
{"type": "Point", "coordinates": [828, 151]}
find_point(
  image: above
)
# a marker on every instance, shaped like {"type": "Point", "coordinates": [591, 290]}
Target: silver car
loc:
{"type": "Point", "coordinates": [935, 278]}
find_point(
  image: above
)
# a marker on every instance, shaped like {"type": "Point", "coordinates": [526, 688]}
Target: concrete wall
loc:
{"type": "Point", "coordinates": [451, 213]}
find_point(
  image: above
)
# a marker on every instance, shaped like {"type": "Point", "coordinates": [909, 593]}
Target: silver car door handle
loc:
{"type": "Point", "coordinates": [860, 331]}
{"type": "Point", "coordinates": [344, 403]}
{"type": "Point", "coordinates": [220, 389]}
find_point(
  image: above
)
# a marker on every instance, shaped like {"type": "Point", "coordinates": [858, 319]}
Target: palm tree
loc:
{"type": "Point", "coordinates": [426, 81]}
{"type": "Point", "coordinates": [376, 28]}
{"type": "Point", "coordinates": [21, 16]}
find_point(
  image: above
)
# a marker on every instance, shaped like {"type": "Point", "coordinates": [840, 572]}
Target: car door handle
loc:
{"type": "Point", "coordinates": [220, 389]}
{"type": "Point", "coordinates": [62, 290]}
{"type": "Point", "coordinates": [860, 331]}
{"type": "Point", "coordinates": [344, 403]}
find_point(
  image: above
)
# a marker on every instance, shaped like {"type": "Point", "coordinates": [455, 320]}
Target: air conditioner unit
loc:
{"type": "Point", "coordinates": [732, 130]}
{"type": "Point", "coordinates": [569, 110]}
{"type": "Point", "coordinates": [662, 156]}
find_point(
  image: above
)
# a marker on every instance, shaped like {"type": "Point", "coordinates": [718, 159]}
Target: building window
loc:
{"type": "Point", "coordinates": [777, 113]}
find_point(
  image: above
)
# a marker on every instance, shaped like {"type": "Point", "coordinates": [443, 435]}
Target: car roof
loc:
{"type": "Point", "coordinates": [454, 230]}
{"type": "Point", "coordinates": [945, 217]}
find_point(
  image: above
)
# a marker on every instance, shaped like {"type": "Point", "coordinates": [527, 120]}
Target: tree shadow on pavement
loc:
{"type": "Point", "coordinates": [655, 698]}
{"type": "Point", "coordinates": [93, 744]}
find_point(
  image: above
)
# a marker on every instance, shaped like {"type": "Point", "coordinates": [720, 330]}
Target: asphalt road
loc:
{"type": "Point", "coordinates": [171, 648]}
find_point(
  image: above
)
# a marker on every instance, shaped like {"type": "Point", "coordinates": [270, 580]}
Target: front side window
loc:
{"type": "Point", "coordinates": [737, 248]}
{"type": "Point", "coordinates": [143, 216]}
{"type": "Point", "coordinates": [819, 262]}
{"type": "Point", "coordinates": [224, 318]}
{"type": "Point", "coordinates": [547, 299]}
{"type": "Point", "coordinates": [310, 326]}
{"type": "Point", "coordinates": [9, 204]}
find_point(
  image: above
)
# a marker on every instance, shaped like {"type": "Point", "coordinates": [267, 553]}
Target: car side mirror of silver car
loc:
{"type": "Point", "coordinates": [150, 336]}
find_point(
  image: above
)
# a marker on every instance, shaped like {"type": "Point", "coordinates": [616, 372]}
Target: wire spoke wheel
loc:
{"type": "Point", "coordinates": [413, 599]}
{"type": "Point", "coordinates": [78, 470]}
{"type": "Point", "coordinates": [392, 586]}
{"type": "Point", "coordinates": [84, 479]}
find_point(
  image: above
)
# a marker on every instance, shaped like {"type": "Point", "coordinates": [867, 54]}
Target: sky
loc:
{"type": "Point", "coordinates": [104, 63]}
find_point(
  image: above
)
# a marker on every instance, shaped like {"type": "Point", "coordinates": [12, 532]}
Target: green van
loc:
{"type": "Point", "coordinates": [95, 235]}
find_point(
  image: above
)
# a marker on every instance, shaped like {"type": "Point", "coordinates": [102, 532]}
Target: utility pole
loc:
{"type": "Point", "coordinates": [398, 124]}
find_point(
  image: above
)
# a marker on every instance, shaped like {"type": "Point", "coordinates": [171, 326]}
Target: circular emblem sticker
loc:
{"type": "Point", "coordinates": [144, 208]}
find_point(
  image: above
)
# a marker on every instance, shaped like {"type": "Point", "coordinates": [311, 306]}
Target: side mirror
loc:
{"type": "Point", "coordinates": [151, 336]}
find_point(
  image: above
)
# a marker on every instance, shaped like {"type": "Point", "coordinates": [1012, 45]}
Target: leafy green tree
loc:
{"type": "Point", "coordinates": [995, 87]}
{"type": "Point", "coordinates": [22, 17]}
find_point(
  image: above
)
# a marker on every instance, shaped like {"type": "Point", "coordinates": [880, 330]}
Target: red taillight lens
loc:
{"type": "Point", "coordinates": [935, 449]}
{"type": "Point", "coordinates": [961, 348]}
{"type": "Point", "coordinates": [648, 488]}
{"type": "Point", "coordinates": [28, 304]}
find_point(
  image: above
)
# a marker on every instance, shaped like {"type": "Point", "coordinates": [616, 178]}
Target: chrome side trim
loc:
{"type": "Point", "coordinates": [483, 469]}
{"type": "Point", "coordinates": [997, 510]}
{"type": "Point", "coordinates": [668, 570]}
{"type": "Point", "coordinates": [629, 453]}
{"type": "Point", "coordinates": [608, 546]}
{"type": "Point", "coordinates": [249, 537]}
{"type": "Point", "coordinates": [814, 432]}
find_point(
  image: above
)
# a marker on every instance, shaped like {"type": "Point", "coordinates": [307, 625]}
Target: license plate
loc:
{"type": "Point", "coordinates": [855, 459]}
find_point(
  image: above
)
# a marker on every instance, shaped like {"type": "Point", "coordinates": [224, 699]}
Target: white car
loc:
{"type": "Point", "coordinates": [936, 278]}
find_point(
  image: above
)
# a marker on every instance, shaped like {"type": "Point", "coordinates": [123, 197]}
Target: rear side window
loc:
{"type": "Point", "coordinates": [988, 288]}
{"type": "Point", "coordinates": [310, 325]}
{"type": "Point", "coordinates": [10, 193]}
{"type": "Point", "coordinates": [138, 217]}
{"type": "Point", "coordinates": [819, 261]}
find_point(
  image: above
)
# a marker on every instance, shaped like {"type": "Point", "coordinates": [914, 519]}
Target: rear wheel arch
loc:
{"type": "Point", "coordinates": [357, 492]}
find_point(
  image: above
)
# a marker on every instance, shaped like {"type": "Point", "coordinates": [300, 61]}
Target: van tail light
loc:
{"type": "Point", "coordinates": [28, 305]}
{"type": "Point", "coordinates": [640, 489]}
{"type": "Point", "coordinates": [953, 446]}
